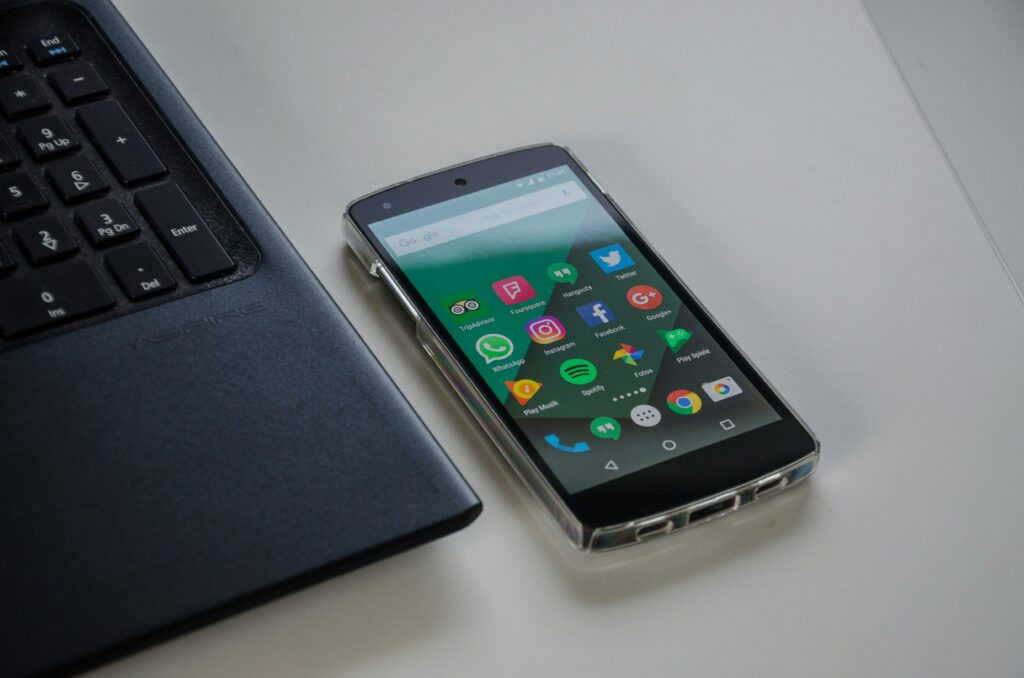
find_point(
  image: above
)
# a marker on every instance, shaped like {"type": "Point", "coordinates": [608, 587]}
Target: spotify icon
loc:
{"type": "Point", "coordinates": [578, 371]}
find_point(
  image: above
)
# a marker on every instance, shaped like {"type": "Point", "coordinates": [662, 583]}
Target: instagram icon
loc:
{"type": "Point", "coordinates": [545, 330]}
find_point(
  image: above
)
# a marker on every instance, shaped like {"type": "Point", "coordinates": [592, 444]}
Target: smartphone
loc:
{"type": "Point", "coordinates": [608, 387]}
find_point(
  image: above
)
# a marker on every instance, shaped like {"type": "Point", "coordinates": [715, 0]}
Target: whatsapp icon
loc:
{"type": "Point", "coordinates": [494, 347]}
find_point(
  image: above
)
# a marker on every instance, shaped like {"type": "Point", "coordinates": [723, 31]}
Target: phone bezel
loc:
{"type": "Point", "coordinates": [656, 489]}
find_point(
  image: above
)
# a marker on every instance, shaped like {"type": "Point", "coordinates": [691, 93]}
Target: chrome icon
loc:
{"type": "Point", "coordinates": [682, 401]}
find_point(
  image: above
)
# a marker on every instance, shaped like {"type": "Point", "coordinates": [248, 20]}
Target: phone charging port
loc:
{"type": "Point", "coordinates": [660, 527]}
{"type": "Point", "coordinates": [713, 509]}
{"type": "Point", "coordinates": [769, 487]}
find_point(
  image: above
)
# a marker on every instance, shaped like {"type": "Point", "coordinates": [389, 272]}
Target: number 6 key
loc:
{"type": "Point", "coordinates": [76, 179]}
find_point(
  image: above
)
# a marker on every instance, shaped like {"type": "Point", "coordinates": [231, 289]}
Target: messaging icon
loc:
{"type": "Point", "coordinates": [606, 427]}
{"type": "Point", "coordinates": [562, 273]}
{"type": "Point", "coordinates": [493, 347]}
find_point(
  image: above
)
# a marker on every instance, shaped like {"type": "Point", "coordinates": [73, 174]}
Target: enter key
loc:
{"type": "Point", "coordinates": [189, 239]}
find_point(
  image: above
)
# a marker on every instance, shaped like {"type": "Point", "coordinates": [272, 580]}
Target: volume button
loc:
{"type": "Point", "coordinates": [403, 299]}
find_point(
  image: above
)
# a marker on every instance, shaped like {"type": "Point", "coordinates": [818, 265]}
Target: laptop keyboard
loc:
{"type": "Point", "coordinates": [102, 211]}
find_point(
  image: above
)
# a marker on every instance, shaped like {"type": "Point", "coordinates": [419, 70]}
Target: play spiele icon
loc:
{"type": "Point", "coordinates": [675, 339]}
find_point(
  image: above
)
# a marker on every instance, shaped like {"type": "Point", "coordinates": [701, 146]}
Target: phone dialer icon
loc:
{"type": "Point", "coordinates": [576, 448]}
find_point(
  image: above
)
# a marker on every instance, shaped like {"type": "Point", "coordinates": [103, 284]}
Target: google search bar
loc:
{"type": "Point", "coordinates": [485, 218]}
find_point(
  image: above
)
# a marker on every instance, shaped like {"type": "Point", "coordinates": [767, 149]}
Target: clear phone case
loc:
{"type": "Point", "coordinates": [583, 537]}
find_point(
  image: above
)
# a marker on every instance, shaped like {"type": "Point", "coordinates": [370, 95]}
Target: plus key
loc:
{"type": "Point", "coordinates": [129, 156]}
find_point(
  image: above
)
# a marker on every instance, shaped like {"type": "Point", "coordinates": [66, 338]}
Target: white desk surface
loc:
{"type": "Point", "coordinates": [771, 152]}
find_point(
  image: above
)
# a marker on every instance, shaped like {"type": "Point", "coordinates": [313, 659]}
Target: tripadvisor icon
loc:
{"type": "Point", "coordinates": [578, 371]}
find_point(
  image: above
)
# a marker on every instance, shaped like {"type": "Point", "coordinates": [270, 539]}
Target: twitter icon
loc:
{"type": "Point", "coordinates": [612, 258]}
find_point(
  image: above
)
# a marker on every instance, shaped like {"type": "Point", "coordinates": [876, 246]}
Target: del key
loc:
{"type": "Point", "coordinates": [186, 235]}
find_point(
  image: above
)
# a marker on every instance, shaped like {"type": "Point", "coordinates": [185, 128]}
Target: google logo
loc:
{"type": "Point", "coordinates": [428, 236]}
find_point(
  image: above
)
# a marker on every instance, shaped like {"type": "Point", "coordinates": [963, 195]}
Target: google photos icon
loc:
{"type": "Point", "coordinates": [628, 354]}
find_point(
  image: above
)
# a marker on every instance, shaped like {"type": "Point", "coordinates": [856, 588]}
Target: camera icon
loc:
{"type": "Point", "coordinates": [723, 388]}
{"type": "Point", "coordinates": [545, 330]}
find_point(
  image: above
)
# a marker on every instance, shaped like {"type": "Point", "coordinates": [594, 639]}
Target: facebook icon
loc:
{"type": "Point", "coordinates": [595, 313]}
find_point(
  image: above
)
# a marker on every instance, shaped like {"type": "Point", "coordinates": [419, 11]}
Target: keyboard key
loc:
{"type": "Point", "coordinates": [45, 239]}
{"type": "Point", "coordinates": [105, 222]}
{"type": "Point", "coordinates": [6, 262]}
{"type": "Point", "coordinates": [76, 179]}
{"type": "Point", "coordinates": [128, 154]}
{"type": "Point", "coordinates": [53, 48]}
{"type": "Point", "coordinates": [20, 96]}
{"type": "Point", "coordinates": [51, 296]}
{"type": "Point", "coordinates": [78, 82]}
{"type": "Point", "coordinates": [47, 137]}
{"type": "Point", "coordinates": [186, 235]}
{"type": "Point", "coordinates": [19, 196]}
{"type": "Point", "coordinates": [139, 272]}
{"type": "Point", "coordinates": [9, 62]}
{"type": "Point", "coordinates": [7, 156]}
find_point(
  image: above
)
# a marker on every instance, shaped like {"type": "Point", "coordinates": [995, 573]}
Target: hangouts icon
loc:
{"type": "Point", "coordinates": [562, 272]}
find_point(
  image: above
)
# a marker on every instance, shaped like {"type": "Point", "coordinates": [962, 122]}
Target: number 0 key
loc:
{"type": "Point", "coordinates": [55, 295]}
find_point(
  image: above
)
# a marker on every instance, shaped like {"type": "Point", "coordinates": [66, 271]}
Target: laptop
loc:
{"type": "Point", "coordinates": [188, 424]}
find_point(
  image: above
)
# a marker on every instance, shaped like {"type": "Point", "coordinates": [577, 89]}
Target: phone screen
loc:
{"type": "Point", "coordinates": [590, 351]}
